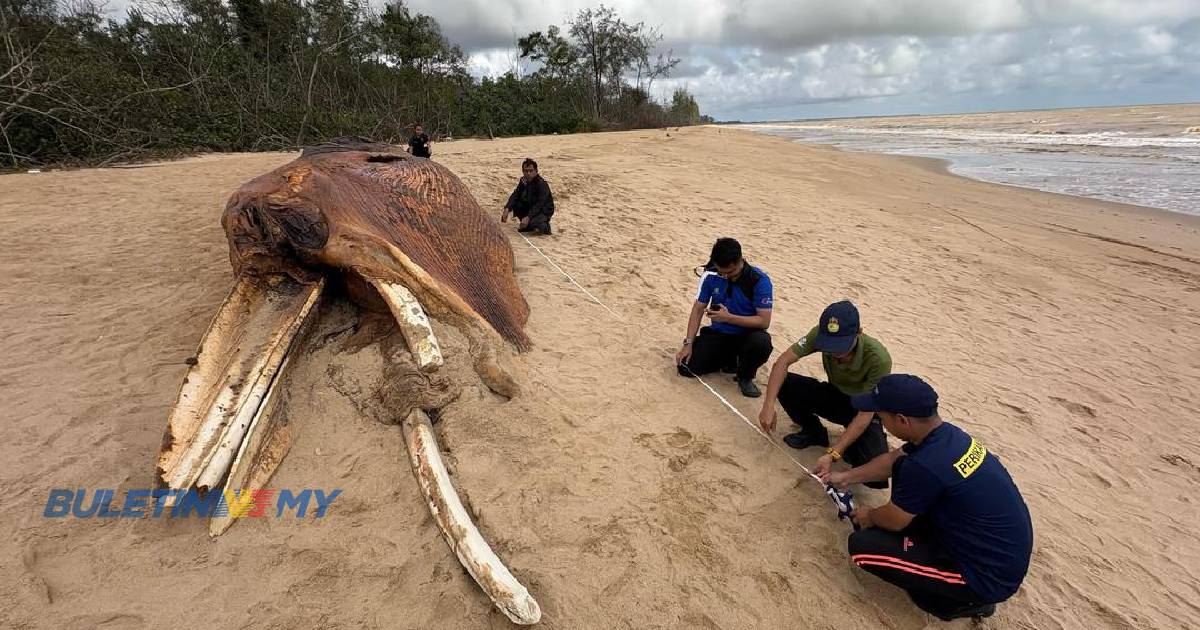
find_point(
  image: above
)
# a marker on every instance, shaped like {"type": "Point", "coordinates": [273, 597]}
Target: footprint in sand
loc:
{"type": "Point", "coordinates": [1078, 409]}
{"type": "Point", "coordinates": [1021, 413]}
{"type": "Point", "coordinates": [680, 448]}
{"type": "Point", "coordinates": [1180, 461]}
{"type": "Point", "coordinates": [681, 438]}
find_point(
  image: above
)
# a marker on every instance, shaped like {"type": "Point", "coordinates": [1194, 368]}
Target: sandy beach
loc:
{"type": "Point", "coordinates": [1060, 331]}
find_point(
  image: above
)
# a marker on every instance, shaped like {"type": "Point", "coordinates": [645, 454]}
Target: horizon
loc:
{"type": "Point", "coordinates": [959, 113]}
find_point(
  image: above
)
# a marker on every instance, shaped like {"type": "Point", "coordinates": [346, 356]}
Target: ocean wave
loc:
{"type": "Point", "coordinates": [1158, 171]}
{"type": "Point", "coordinates": [1115, 139]}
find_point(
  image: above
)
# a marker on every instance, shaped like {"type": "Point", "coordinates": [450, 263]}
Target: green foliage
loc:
{"type": "Point", "coordinates": [684, 110]}
{"type": "Point", "coordinates": [238, 75]}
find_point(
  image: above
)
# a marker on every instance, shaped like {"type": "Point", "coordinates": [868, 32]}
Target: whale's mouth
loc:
{"type": "Point", "coordinates": [224, 433]}
{"type": "Point", "coordinates": [229, 390]}
{"type": "Point", "coordinates": [220, 429]}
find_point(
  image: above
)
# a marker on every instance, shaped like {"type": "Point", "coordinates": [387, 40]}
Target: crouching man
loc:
{"type": "Point", "coordinates": [737, 298]}
{"type": "Point", "coordinates": [531, 201]}
{"type": "Point", "coordinates": [956, 534]}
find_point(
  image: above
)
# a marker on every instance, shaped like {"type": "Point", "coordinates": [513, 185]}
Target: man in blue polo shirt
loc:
{"type": "Point", "coordinates": [737, 297]}
{"type": "Point", "coordinates": [956, 534]}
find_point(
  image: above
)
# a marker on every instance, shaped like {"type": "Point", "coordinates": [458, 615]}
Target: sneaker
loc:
{"type": "Point", "coordinates": [972, 611]}
{"type": "Point", "coordinates": [749, 389]}
{"type": "Point", "coordinates": [802, 439]}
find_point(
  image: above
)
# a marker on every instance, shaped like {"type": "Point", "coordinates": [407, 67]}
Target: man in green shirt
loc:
{"type": "Point", "coordinates": [854, 363]}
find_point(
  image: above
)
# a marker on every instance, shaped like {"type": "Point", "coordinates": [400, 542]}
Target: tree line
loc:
{"type": "Point", "coordinates": [177, 76]}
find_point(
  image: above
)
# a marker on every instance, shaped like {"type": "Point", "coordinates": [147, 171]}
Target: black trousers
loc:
{"type": "Point", "coordinates": [913, 560]}
{"type": "Point", "coordinates": [805, 398]}
{"type": "Point", "coordinates": [712, 350]}
{"type": "Point", "coordinates": [537, 221]}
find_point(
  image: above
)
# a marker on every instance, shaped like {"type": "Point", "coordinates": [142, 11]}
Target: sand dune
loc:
{"type": "Point", "coordinates": [1062, 332]}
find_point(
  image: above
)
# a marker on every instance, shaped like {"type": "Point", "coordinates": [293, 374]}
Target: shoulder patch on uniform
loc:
{"type": "Point", "coordinates": [700, 297]}
{"type": "Point", "coordinates": [971, 460]}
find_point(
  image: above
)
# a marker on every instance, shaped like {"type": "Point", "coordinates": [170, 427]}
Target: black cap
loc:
{"type": "Point", "coordinates": [899, 393]}
{"type": "Point", "coordinates": [838, 328]}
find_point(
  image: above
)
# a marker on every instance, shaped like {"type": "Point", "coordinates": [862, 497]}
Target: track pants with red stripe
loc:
{"type": "Point", "coordinates": [913, 560]}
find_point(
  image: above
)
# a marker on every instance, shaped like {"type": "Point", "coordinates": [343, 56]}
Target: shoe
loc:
{"type": "Point", "coordinates": [729, 369]}
{"type": "Point", "coordinates": [983, 612]}
{"type": "Point", "coordinates": [973, 611]}
{"type": "Point", "coordinates": [525, 229]}
{"type": "Point", "coordinates": [749, 389]}
{"type": "Point", "coordinates": [545, 231]}
{"type": "Point", "coordinates": [803, 439]}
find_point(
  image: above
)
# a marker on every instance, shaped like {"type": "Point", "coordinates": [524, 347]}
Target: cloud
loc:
{"type": "Point", "coordinates": [782, 58]}
{"type": "Point", "coordinates": [790, 24]}
{"type": "Point", "coordinates": [760, 58]}
{"type": "Point", "coordinates": [1032, 68]}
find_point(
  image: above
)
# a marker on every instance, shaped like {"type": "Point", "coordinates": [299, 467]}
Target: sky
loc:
{"type": "Point", "coordinates": [792, 59]}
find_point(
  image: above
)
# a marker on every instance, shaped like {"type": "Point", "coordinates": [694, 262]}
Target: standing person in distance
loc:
{"type": "Point", "coordinates": [418, 144]}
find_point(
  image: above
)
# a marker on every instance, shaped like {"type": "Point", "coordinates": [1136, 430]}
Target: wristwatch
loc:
{"type": "Point", "coordinates": [837, 457]}
{"type": "Point", "coordinates": [687, 342]}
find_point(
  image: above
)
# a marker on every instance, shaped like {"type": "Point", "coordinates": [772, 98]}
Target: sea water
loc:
{"type": "Point", "coordinates": [1161, 171]}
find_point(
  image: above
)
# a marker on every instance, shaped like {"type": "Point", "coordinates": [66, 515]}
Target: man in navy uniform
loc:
{"type": "Point", "coordinates": [737, 298]}
{"type": "Point", "coordinates": [956, 534]}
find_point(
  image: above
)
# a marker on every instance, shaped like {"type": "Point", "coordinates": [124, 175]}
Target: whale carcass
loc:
{"type": "Point", "coordinates": [401, 235]}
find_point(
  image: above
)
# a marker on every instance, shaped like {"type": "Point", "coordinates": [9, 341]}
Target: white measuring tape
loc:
{"type": "Point", "coordinates": [710, 389]}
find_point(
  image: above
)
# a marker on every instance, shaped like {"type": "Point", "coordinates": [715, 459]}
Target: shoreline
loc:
{"type": "Point", "coordinates": [1134, 155]}
{"type": "Point", "coordinates": [941, 167]}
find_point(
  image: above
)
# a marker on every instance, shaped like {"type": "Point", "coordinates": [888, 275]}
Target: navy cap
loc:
{"type": "Point", "coordinates": [838, 328]}
{"type": "Point", "coordinates": [899, 393]}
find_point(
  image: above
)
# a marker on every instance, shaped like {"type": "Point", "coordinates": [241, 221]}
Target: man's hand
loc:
{"type": "Point", "coordinates": [504, 216]}
{"type": "Point", "coordinates": [719, 314]}
{"type": "Point", "coordinates": [766, 417]}
{"type": "Point", "coordinates": [862, 517]}
{"type": "Point", "coordinates": [839, 479]}
{"type": "Point", "coordinates": [685, 353]}
{"type": "Point", "coordinates": [822, 469]}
